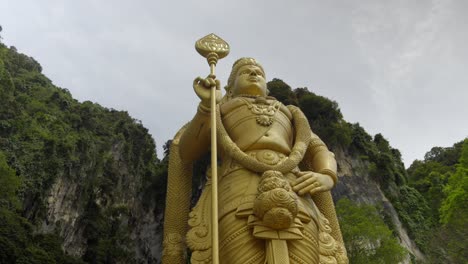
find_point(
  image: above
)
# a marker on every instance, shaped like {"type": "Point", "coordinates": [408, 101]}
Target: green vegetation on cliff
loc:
{"type": "Point", "coordinates": [18, 243]}
{"type": "Point", "coordinates": [46, 135]}
{"type": "Point", "coordinates": [324, 115]}
{"type": "Point", "coordinates": [442, 179]}
{"type": "Point", "coordinates": [368, 239]}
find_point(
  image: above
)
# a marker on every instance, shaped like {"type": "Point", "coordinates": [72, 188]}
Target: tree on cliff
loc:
{"type": "Point", "coordinates": [442, 179]}
{"type": "Point", "coordinates": [454, 210]}
{"type": "Point", "coordinates": [368, 239]}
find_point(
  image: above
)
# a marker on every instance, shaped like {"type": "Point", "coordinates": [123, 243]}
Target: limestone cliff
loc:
{"type": "Point", "coordinates": [139, 221]}
{"type": "Point", "coordinates": [90, 181]}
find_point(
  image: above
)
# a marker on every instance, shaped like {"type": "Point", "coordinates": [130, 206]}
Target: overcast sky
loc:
{"type": "Point", "coordinates": [399, 68]}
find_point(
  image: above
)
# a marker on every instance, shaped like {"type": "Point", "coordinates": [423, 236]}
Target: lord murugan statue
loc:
{"type": "Point", "coordinates": [275, 176]}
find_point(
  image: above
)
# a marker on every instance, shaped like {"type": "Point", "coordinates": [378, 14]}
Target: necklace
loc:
{"type": "Point", "coordinates": [263, 110]}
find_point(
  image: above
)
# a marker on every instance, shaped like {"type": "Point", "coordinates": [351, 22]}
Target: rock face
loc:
{"type": "Point", "coordinates": [67, 203]}
{"type": "Point", "coordinates": [355, 183]}
{"type": "Point", "coordinates": [63, 212]}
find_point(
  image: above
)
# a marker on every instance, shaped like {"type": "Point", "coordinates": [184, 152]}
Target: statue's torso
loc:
{"type": "Point", "coordinates": [265, 131]}
{"type": "Point", "coordinates": [258, 125]}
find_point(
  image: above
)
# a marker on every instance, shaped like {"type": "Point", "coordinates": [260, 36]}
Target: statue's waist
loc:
{"type": "Point", "coordinates": [238, 187]}
{"type": "Point", "coordinates": [266, 156]}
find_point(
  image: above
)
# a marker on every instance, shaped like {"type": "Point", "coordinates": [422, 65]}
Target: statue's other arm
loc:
{"type": "Point", "coordinates": [319, 170]}
{"type": "Point", "coordinates": [320, 159]}
{"type": "Point", "coordinates": [196, 138]}
{"type": "Point", "coordinates": [195, 141]}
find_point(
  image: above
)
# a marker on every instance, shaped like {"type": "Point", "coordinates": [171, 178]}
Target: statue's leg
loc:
{"type": "Point", "coordinates": [306, 250]}
{"type": "Point", "coordinates": [237, 245]}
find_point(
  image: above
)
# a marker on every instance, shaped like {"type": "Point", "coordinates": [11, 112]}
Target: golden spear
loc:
{"type": "Point", "coordinates": [213, 48]}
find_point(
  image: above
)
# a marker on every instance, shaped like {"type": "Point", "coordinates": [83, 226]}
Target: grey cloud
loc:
{"type": "Point", "coordinates": [396, 67]}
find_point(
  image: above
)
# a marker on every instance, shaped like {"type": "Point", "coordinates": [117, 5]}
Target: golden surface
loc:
{"type": "Point", "coordinates": [213, 48]}
{"type": "Point", "coordinates": [275, 177]}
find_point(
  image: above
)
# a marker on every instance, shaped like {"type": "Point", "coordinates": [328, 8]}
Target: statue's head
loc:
{"type": "Point", "coordinates": [247, 78]}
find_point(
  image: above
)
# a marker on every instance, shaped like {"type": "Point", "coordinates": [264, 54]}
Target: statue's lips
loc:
{"type": "Point", "coordinates": [253, 79]}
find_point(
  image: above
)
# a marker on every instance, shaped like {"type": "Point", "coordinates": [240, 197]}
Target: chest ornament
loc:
{"type": "Point", "coordinates": [263, 110]}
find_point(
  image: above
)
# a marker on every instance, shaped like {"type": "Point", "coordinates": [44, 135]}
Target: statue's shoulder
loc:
{"type": "Point", "coordinates": [230, 105]}
{"type": "Point", "coordinates": [286, 110]}
{"type": "Point", "coordinates": [293, 108]}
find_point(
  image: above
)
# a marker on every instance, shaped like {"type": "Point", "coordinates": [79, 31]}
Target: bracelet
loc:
{"type": "Point", "coordinates": [203, 109]}
{"type": "Point", "coordinates": [330, 173]}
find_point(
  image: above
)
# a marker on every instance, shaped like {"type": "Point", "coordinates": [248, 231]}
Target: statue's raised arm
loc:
{"type": "Point", "coordinates": [275, 177]}
{"type": "Point", "coordinates": [196, 139]}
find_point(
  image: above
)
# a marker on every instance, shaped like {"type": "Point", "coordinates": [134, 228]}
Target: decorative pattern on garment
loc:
{"type": "Point", "coordinates": [199, 235]}
{"type": "Point", "coordinates": [172, 245]}
{"type": "Point", "coordinates": [276, 205]}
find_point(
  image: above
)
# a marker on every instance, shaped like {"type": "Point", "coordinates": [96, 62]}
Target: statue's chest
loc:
{"type": "Point", "coordinates": [248, 123]}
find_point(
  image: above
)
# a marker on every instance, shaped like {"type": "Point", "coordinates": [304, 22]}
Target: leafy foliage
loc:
{"type": "Point", "coordinates": [282, 92]}
{"type": "Point", "coordinates": [414, 212]}
{"type": "Point", "coordinates": [456, 201]}
{"type": "Point", "coordinates": [9, 185]}
{"type": "Point", "coordinates": [442, 179]}
{"type": "Point", "coordinates": [19, 245]}
{"type": "Point", "coordinates": [46, 134]}
{"type": "Point", "coordinates": [454, 210]}
{"type": "Point", "coordinates": [323, 114]}
{"type": "Point", "coordinates": [367, 238]}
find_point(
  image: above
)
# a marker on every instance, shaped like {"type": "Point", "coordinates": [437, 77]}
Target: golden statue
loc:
{"type": "Point", "coordinates": [274, 203]}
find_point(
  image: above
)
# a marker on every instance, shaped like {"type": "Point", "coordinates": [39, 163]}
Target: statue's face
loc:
{"type": "Point", "coordinates": [250, 80]}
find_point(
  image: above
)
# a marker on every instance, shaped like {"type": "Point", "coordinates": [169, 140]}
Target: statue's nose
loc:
{"type": "Point", "coordinates": [253, 73]}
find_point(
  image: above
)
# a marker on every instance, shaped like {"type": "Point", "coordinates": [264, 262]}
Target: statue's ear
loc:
{"type": "Point", "coordinates": [267, 91]}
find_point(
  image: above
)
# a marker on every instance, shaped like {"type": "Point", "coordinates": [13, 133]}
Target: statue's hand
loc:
{"type": "Point", "coordinates": [202, 87]}
{"type": "Point", "coordinates": [312, 182]}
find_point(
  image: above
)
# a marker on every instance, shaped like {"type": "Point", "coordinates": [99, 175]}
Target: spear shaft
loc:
{"type": "Point", "coordinates": [213, 48]}
{"type": "Point", "coordinates": [214, 177]}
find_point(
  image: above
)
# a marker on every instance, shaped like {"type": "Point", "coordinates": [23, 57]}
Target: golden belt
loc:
{"type": "Point", "coordinates": [266, 156]}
